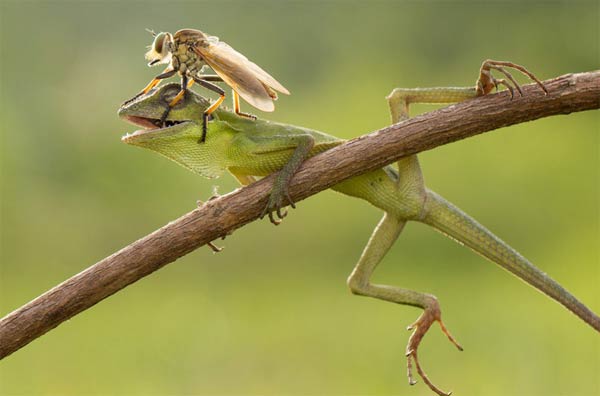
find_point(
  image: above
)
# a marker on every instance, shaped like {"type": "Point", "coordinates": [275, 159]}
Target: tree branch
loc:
{"type": "Point", "coordinates": [221, 216]}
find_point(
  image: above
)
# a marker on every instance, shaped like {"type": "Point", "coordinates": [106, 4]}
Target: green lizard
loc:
{"type": "Point", "coordinates": [255, 148]}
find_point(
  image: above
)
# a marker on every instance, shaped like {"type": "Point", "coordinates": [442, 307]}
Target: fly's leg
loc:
{"type": "Point", "coordinates": [210, 77]}
{"type": "Point", "coordinates": [165, 74]}
{"type": "Point", "coordinates": [236, 107]}
{"type": "Point", "coordinates": [168, 72]}
{"type": "Point", "coordinates": [185, 85]}
{"type": "Point", "coordinates": [236, 97]}
{"type": "Point", "coordinates": [215, 88]}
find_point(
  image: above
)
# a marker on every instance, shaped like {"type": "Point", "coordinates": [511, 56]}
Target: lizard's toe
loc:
{"type": "Point", "coordinates": [420, 328]}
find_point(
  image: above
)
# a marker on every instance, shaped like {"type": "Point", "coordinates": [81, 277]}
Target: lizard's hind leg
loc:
{"type": "Point", "coordinates": [409, 203]}
{"type": "Point", "coordinates": [384, 236]}
{"type": "Point", "coordinates": [410, 200]}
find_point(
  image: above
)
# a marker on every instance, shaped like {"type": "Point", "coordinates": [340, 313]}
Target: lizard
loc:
{"type": "Point", "coordinates": [250, 149]}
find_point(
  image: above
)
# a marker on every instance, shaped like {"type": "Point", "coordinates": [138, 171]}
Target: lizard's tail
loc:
{"type": "Point", "coordinates": [451, 221]}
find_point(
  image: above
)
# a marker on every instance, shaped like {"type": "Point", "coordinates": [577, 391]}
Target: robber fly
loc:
{"type": "Point", "coordinates": [188, 50]}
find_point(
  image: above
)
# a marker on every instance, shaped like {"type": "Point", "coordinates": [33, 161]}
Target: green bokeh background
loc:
{"type": "Point", "coordinates": [271, 314]}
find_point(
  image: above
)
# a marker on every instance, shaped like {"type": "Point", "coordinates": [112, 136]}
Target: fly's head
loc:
{"type": "Point", "coordinates": [161, 50]}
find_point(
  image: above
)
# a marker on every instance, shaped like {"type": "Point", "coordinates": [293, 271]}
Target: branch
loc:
{"type": "Point", "coordinates": [221, 216]}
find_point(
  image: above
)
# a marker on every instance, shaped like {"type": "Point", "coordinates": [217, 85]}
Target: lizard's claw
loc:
{"type": "Point", "coordinates": [215, 195]}
{"type": "Point", "coordinates": [507, 85]}
{"type": "Point", "coordinates": [275, 205]}
{"type": "Point", "coordinates": [486, 82]}
{"type": "Point", "coordinates": [212, 246]}
{"type": "Point", "coordinates": [421, 326]}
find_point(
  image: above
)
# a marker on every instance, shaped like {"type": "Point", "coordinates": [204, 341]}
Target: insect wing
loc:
{"type": "Point", "coordinates": [262, 75]}
{"type": "Point", "coordinates": [246, 78]}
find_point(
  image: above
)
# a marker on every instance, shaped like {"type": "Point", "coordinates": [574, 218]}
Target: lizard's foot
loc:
{"type": "Point", "coordinates": [212, 246]}
{"type": "Point", "coordinates": [275, 205]}
{"type": "Point", "coordinates": [486, 82]}
{"type": "Point", "coordinates": [431, 314]}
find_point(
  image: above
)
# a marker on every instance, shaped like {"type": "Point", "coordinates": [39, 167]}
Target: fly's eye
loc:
{"type": "Point", "coordinates": [160, 42]}
{"type": "Point", "coordinates": [160, 50]}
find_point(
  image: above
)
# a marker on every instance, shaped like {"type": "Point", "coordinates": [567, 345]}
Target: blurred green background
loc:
{"type": "Point", "coordinates": [271, 314]}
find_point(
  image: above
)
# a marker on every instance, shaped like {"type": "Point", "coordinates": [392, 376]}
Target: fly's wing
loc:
{"type": "Point", "coordinates": [253, 84]}
{"type": "Point", "coordinates": [262, 75]}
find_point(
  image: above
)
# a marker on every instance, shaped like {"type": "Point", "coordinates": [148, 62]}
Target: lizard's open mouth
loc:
{"type": "Point", "coordinates": [150, 125]}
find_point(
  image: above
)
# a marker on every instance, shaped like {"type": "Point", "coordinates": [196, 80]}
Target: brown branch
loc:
{"type": "Point", "coordinates": [569, 93]}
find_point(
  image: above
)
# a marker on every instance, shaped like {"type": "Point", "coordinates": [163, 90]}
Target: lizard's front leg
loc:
{"type": "Point", "coordinates": [303, 146]}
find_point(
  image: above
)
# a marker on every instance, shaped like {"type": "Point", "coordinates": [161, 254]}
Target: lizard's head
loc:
{"type": "Point", "coordinates": [178, 138]}
{"type": "Point", "coordinates": [147, 110]}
